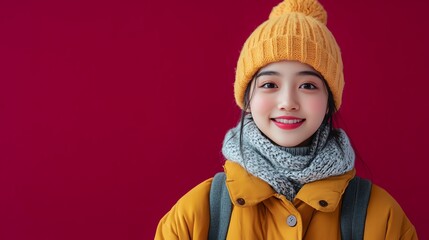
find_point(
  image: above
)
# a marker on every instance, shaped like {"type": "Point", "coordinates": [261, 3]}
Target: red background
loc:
{"type": "Point", "coordinates": [111, 110]}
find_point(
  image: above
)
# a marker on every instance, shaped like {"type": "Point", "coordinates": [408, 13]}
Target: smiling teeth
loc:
{"type": "Point", "coordinates": [286, 121]}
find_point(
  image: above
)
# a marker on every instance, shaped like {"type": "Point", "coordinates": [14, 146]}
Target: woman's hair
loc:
{"type": "Point", "coordinates": [329, 117]}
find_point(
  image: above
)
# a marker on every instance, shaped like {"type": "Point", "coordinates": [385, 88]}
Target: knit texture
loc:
{"type": "Point", "coordinates": [288, 169]}
{"type": "Point", "coordinates": [295, 31]}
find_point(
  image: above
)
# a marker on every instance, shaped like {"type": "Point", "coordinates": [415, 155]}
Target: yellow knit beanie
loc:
{"type": "Point", "coordinates": [296, 31]}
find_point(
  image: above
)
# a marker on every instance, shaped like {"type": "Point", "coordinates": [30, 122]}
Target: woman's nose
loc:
{"type": "Point", "coordinates": [287, 101]}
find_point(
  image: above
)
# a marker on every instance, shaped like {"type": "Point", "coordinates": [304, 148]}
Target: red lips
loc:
{"type": "Point", "coordinates": [288, 122]}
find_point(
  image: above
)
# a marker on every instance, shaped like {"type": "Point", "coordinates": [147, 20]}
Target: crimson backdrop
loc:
{"type": "Point", "coordinates": [111, 110]}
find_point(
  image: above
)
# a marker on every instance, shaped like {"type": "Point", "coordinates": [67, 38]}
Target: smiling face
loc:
{"type": "Point", "coordinates": [289, 101]}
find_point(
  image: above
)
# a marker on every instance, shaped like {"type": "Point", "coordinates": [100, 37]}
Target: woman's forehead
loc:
{"type": "Point", "coordinates": [287, 66]}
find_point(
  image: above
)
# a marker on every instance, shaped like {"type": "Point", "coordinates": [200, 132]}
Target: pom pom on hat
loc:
{"type": "Point", "coordinates": [295, 31]}
{"type": "Point", "coordinates": [307, 7]}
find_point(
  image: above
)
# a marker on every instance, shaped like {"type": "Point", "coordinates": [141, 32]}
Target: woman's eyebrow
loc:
{"type": "Point", "coordinates": [269, 73]}
{"type": "Point", "coordinates": [312, 73]}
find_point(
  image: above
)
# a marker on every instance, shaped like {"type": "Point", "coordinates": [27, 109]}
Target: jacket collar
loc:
{"type": "Point", "coordinates": [247, 190]}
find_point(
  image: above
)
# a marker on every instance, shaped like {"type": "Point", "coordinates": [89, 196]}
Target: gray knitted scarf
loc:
{"type": "Point", "coordinates": [288, 169]}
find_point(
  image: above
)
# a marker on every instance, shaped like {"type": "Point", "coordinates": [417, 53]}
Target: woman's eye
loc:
{"type": "Point", "coordinates": [308, 86]}
{"type": "Point", "coordinates": [269, 85]}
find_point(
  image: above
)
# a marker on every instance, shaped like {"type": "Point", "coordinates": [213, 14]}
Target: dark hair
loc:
{"type": "Point", "coordinates": [329, 117]}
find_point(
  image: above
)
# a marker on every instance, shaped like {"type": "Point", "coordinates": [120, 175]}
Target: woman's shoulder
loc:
{"type": "Point", "coordinates": [195, 202]}
{"type": "Point", "coordinates": [196, 195]}
{"type": "Point", "coordinates": [384, 212]}
{"type": "Point", "coordinates": [189, 217]}
{"type": "Point", "coordinates": [382, 202]}
{"type": "Point", "coordinates": [381, 198]}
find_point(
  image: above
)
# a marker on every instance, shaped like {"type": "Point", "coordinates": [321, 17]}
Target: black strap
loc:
{"type": "Point", "coordinates": [220, 208]}
{"type": "Point", "coordinates": [354, 207]}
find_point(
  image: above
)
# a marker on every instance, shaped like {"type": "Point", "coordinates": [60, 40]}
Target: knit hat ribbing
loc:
{"type": "Point", "coordinates": [295, 31]}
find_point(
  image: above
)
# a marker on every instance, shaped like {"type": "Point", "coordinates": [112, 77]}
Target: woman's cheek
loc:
{"type": "Point", "coordinates": [318, 105]}
{"type": "Point", "coordinates": [260, 104]}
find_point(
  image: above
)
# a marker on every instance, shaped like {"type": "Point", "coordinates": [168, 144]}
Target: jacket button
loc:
{"type": "Point", "coordinates": [323, 203]}
{"type": "Point", "coordinates": [291, 221]}
{"type": "Point", "coordinates": [241, 201]}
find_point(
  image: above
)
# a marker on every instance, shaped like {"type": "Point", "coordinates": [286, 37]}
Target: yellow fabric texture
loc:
{"type": "Point", "coordinates": [264, 213]}
{"type": "Point", "coordinates": [295, 31]}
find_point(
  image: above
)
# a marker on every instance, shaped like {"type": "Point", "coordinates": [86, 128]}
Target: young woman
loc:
{"type": "Point", "coordinates": [287, 167]}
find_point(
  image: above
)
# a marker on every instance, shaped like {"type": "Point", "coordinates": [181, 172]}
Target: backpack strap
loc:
{"type": "Point", "coordinates": [220, 208]}
{"type": "Point", "coordinates": [353, 209]}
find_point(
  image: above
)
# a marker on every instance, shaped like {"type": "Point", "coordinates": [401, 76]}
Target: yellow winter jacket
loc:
{"type": "Point", "coordinates": [261, 213]}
